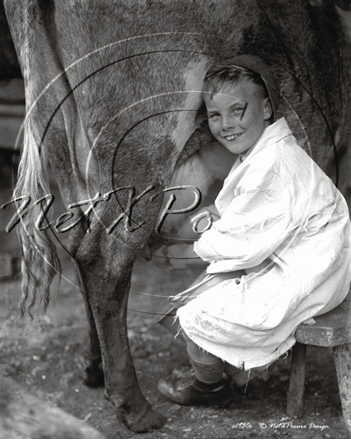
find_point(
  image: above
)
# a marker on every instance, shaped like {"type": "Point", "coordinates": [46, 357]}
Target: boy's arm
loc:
{"type": "Point", "coordinates": [254, 224]}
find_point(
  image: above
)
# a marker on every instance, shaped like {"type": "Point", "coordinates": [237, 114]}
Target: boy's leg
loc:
{"type": "Point", "coordinates": [240, 377]}
{"type": "Point", "coordinates": [208, 368]}
{"type": "Point", "coordinates": [167, 320]}
{"type": "Point", "coordinates": [207, 387]}
{"type": "Point", "coordinates": [216, 280]}
{"type": "Point", "coordinates": [204, 363]}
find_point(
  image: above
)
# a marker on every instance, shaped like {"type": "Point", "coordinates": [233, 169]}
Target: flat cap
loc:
{"type": "Point", "coordinates": [257, 65]}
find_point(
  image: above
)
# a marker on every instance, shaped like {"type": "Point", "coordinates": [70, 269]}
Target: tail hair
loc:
{"type": "Point", "coordinates": [40, 262]}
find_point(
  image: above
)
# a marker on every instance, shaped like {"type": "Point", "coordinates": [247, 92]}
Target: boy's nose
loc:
{"type": "Point", "coordinates": [227, 122]}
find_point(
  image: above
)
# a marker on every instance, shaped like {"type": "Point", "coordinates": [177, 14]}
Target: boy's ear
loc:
{"type": "Point", "coordinates": [267, 108]}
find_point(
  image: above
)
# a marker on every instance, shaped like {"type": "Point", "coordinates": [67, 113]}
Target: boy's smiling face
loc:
{"type": "Point", "coordinates": [238, 115]}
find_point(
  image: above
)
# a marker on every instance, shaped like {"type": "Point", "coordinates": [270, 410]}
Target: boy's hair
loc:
{"type": "Point", "coordinates": [226, 74]}
{"type": "Point", "coordinates": [247, 66]}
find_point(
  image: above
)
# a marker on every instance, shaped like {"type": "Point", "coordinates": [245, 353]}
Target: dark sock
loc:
{"type": "Point", "coordinates": [208, 372]}
{"type": "Point", "coordinates": [207, 386]}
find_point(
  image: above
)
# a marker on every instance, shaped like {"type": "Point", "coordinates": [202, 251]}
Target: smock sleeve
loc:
{"type": "Point", "coordinates": [255, 223]}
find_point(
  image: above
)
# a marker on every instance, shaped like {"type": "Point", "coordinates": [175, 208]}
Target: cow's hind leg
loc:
{"type": "Point", "coordinates": [106, 272]}
{"type": "Point", "coordinates": [94, 375]}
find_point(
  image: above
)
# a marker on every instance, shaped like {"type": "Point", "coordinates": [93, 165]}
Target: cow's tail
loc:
{"type": "Point", "coordinates": [40, 262]}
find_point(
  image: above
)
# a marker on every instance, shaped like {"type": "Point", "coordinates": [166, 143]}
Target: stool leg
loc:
{"type": "Point", "coordinates": [342, 358]}
{"type": "Point", "coordinates": [297, 381]}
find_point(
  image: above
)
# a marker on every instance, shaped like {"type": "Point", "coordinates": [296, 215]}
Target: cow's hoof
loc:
{"type": "Point", "coordinates": [148, 421]}
{"type": "Point", "coordinates": [94, 376]}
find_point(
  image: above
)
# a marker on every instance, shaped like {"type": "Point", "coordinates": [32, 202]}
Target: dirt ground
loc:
{"type": "Point", "coordinates": [46, 355]}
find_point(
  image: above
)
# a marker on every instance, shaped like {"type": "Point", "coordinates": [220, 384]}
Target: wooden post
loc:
{"type": "Point", "coordinates": [342, 358]}
{"type": "Point", "coordinates": [297, 381]}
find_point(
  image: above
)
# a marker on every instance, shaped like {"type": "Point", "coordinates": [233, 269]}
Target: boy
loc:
{"type": "Point", "coordinates": [283, 233]}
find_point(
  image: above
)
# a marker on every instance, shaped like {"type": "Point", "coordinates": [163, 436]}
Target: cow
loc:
{"type": "Point", "coordinates": [9, 67]}
{"type": "Point", "coordinates": [113, 98]}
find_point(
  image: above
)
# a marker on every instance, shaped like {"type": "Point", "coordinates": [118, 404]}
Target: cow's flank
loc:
{"type": "Point", "coordinates": [112, 95]}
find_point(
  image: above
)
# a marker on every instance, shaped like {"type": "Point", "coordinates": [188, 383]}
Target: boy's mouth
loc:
{"type": "Point", "coordinates": [232, 137]}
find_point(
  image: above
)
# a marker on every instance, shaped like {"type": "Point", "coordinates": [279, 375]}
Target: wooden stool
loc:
{"type": "Point", "coordinates": [330, 330]}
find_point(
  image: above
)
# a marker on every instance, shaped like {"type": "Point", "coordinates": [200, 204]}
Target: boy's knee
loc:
{"type": "Point", "coordinates": [198, 354]}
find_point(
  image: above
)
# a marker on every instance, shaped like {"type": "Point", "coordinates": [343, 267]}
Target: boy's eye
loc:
{"type": "Point", "coordinates": [239, 112]}
{"type": "Point", "coordinates": [213, 116]}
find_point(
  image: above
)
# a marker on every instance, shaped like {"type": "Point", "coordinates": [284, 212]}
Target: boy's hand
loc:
{"type": "Point", "coordinates": [180, 256]}
{"type": "Point", "coordinates": [203, 220]}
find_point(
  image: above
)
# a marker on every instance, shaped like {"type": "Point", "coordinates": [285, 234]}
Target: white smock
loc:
{"type": "Point", "coordinates": [284, 222]}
